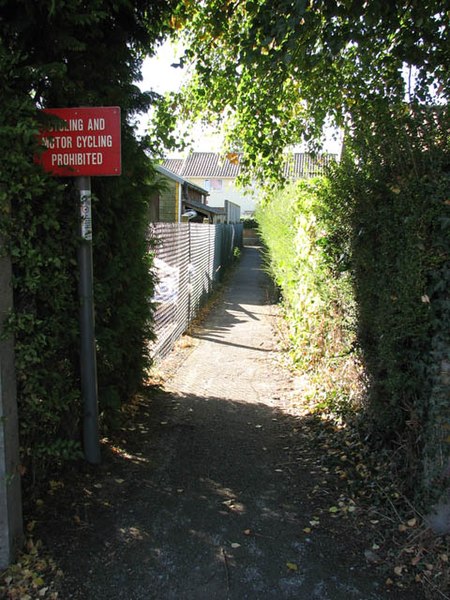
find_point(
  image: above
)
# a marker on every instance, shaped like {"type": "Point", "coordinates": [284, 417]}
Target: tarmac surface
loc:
{"type": "Point", "coordinates": [208, 498]}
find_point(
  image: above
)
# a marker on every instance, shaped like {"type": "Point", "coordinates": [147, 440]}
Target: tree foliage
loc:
{"type": "Point", "coordinates": [57, 54]}
{"type": "Point", "coordinates": [278, 70]}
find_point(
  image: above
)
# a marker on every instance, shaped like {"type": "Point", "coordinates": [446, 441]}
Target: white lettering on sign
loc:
{"type": "Point", "coordinates": [81, 141]}
{"type": "Point", "coordinates": [76, 125]}
{"type": "Point", "coordinates": [70, 125]}
{"type": "Point", "coordinates": [96, 124]}
{"type": "Point", "coordinates": [64, 142]}
{"type": "Point", "coordinates": [94, 141]}
{"type": "Point", "coordinates": [76, 160]}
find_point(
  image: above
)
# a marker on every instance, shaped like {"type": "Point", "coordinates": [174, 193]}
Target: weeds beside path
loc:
{"type": "Point", "coordinates": [214, 488]}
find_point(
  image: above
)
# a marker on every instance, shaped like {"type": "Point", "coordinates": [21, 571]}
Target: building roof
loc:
{"type": "Point", "coordinates": [203, 207]}
{"type": "Point", "coordinates": [302, 164]}
{"type": "Point", "coordinates": [205, 164]}
{"type": "Point", "coordinates": [209, 165]}
{"type": "Point", "coordinates": [176, 177]}
{"type": "Point", "coordinates": [174, 165]}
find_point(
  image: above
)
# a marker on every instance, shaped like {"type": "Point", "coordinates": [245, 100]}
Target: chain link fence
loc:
{"type": "Point", "coordinates": [189, 259]}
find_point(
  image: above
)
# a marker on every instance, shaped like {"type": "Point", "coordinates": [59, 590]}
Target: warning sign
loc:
{"type": "Point", "coordinates": [85, 141]}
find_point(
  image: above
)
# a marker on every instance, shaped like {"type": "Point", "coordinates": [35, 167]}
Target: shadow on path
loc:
{"type": "Point", "coordinates": [212, 490]}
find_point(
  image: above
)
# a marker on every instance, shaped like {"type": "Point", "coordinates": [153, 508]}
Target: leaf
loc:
{"type": "Point", "coordinates": [233, 157]}
{"type": "Point", "coordinates": [307, 529]}
{"type": "Point", "coordinates": [292, 566]}
{"type": "Point", "coordinates": [333, 509]}
{"type": "Point", "coordinates": [235, 545]}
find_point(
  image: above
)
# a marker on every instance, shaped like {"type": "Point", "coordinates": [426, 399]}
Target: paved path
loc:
{"type": "Point", "coordinates": [215, 502]}
{"type": "Point", "coordinates": [231, 467]}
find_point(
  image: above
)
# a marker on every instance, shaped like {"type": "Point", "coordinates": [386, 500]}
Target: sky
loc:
{"type": "Point", "coordinates": [159, 76]}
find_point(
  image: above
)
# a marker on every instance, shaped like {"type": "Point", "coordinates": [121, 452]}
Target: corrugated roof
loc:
{"type": "Point", "coordinates": [174, 164]}
{"type": "Point", "coordinates": [306, 165]}
{"type": "Point", "coordinates": [205, 164]}
{"type": "Point", "coordinates": [213, 165]}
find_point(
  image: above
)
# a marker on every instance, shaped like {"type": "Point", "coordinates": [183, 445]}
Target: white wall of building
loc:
{"type": "Point", "coordinates": [227, 190]}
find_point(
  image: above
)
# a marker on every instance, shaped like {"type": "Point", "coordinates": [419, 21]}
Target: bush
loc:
{"type": "Point", "coordinates": [317, 298]}
{"type": "Point", "coordinates": [362, 259]}
{"type": "Point", "coordinates": [389, 201]}
{"type": "Point", "coordinates": [39, 219]}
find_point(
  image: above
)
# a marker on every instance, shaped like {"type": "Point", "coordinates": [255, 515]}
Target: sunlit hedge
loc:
{"type": "Point", "coordinates": [366, 253]}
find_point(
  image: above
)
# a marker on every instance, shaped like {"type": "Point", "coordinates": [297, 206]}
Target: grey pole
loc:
{"type": "Point", "coordinates": [11, 532]}
{"type": "Point", "coordinates": [88, 361]}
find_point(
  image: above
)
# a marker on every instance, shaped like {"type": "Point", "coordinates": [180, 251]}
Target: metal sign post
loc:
{"type": "Point", "coordinates": [88, 360]}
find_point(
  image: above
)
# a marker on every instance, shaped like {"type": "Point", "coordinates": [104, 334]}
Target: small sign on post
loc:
{"type": "Point", "coordinates": [84, 142]}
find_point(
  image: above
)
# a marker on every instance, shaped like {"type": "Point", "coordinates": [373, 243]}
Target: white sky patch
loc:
{"type": "Point", "coordinates": [158, 73]}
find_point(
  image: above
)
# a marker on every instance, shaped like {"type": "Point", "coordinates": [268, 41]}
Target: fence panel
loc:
{"type": "Point", "coordinates": [189, 259]}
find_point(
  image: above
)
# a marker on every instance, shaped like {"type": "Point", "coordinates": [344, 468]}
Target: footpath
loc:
{"type": "Point", "coordinates": [209, 495]}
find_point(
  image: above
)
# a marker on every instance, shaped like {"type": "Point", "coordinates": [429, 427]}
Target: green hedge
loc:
{"type": "Point", "coordinates": [292, 222]}
{"type": "Point", "coordinates": [93, 61]}
{"type": "Point", "coordinates": [362, 259]}
{"type": "Point", "coordinates": [390, 197]}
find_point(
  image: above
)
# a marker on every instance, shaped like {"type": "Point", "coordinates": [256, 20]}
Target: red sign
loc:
{"type": "Point", "coordinates": [85, 142]}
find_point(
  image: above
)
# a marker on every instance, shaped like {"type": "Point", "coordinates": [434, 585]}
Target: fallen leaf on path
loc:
{"type": "Point", "coordinates": [292, 566]}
